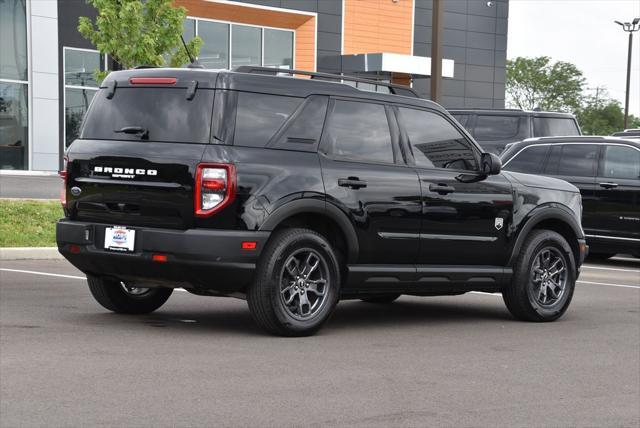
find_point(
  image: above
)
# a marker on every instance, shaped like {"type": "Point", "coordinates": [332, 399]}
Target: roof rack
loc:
{"type": "Point", "coordinates": [394, 89]}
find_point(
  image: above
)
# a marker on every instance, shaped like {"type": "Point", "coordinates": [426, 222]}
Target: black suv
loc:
{"type": "Point", "coordinates": [294, 193]}
{"type": "Point", "coordinates": [495, 129]}
{"type": "Point", "coordinates": [607, 172]}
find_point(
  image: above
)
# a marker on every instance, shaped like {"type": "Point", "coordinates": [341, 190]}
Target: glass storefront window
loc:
{"type": "Point", "coordinates": [14, 126]}
{"type": "Point", "coordinates": [80, 87]}
{"type": "Point", "coordinates": [215, 48]}
{"type": "Point", "coordinates": [13, 40]}
{"type": "Point", "coordinates": [76, 104]}
{"type": "Point", "coordinates": [79, 67]}
{"type": "Point", "coordinates": [246, 45]}
{"type": "Point", "coordinates": [278, 48]}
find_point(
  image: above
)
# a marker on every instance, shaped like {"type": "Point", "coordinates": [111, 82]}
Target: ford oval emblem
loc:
{"type": "Point", "coordinates": [75, 191]}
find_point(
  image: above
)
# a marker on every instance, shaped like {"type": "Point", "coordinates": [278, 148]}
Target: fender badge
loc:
{"type": "Point", "coordinates": [75, 191]}
{"type": "Point", "coordinates": [499, 222]}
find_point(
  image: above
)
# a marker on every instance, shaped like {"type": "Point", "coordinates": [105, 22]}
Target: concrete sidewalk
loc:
{"type": "Point", "coordinates": [30, 186]}
{"type": "Point", "coordinates": [29, 253]}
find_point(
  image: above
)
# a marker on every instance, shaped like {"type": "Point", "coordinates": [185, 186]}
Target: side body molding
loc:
{"type": "Point", "coordinates": [315, 206]}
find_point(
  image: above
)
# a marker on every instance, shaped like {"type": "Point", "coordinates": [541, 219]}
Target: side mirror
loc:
{"type": "Point", "coordinates": [490, 164]}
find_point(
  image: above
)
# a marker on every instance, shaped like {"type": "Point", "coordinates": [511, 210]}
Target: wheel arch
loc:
{"type": "Point", "coordinates": [321, 217]}
{"type": "Point", "coordinates": [552, 218]}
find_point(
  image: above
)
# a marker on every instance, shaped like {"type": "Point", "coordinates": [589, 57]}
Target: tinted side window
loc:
{"type": "Point", "coordinates": [305, 127]}
{"type": "Point", "coordinates": [553, 126]}
{"type": "Point", "coordinates": [492, 127]}
{"type": "Point", "coordinates": [259, 116]}
{"type": "Point", "coordinates": [530, 160]}
{"type": "Point", "coordinates": [360, 131]}
{"type": "Point", "coordinates": [621, 162]}
{"type": "Point", "coordinates": [578, 160]}
{"type": "Point", "coordinates": [436, 142]}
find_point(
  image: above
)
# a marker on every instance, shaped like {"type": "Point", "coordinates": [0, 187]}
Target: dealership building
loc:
{"type": "Point", "coordinates": [46, 66]}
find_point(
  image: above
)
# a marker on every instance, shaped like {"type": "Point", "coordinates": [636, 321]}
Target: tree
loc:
{"type": "Point", "coordinates": [139, 32]}
{"type": "Point", "coordinates": [537, 83]}
{"type": "Point", "coordinates": [602, 115]}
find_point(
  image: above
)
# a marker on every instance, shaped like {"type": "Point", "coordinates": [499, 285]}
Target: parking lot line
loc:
{"type": "Point", "coordinates": [474, 292]}
{"type": "Point", "coordinates": [608, 284]}
{"type": "Point", "coordinates": [42, 273]}
{"type": "Point", "coordinates": [608, 268]}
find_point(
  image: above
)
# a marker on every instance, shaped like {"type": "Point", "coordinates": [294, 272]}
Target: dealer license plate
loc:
{"type": "Point", "coordinates": [119, 238]}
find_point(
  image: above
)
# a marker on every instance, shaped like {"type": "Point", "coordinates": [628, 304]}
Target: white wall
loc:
{"type": "Point", "coordinates": [44, 85]}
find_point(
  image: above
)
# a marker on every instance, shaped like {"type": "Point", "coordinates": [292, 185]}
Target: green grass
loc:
{"type": "Point", "coordinates": [27, 223]}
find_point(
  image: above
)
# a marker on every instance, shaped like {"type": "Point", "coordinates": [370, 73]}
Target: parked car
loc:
{"type": "Point", "coordinates": [494, 129]}
{"type": "Point", "coordinates": [629, 134]}
{"type": "Point", "coordinates": [607, 172]}
{"type": "Point", "coordinates": [295, 193]}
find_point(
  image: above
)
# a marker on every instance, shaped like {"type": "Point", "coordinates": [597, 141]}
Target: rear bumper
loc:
{"type": "Point", "coordinates": [196, 258]}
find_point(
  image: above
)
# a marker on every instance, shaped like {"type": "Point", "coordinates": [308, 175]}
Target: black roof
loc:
{"type": "Point", "coordinates": [511, 112]}
{"type": "Point", "coordinates": [263, 83]}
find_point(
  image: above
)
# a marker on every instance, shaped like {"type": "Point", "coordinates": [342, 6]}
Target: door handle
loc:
{"type": "Point", "coordinates": [609, 185]}
{"type": "Point", "coordinates": [441, 188]}
{"type": "Point", "coordinates": [352, 182]}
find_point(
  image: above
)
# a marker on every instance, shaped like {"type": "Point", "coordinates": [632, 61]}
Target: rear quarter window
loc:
{"type": "Point", "coordinates": [554, 127]}
{"type": "Point", "coordinates": [165, 113]}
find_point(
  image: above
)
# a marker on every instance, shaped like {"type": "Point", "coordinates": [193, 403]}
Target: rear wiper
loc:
{"type": "Point", "coordinates": [136, 130]}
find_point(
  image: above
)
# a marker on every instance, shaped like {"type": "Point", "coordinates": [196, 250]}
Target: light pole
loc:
{"type": "Point", "coordinates": [629, 27]}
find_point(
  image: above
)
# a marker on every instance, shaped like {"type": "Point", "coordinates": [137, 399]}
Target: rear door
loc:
{"type": "Point", "coordinates": [617, 193]}
{"type": "Point", "coordinates": [364, 175]}
{"type": "Point", "coordinates": [465, 219]}
{"type": "Point", "coordinates": [135, 160]}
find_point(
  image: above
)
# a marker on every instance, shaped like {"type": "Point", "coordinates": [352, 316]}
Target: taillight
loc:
{"type": "Point", "coordinates": [152, 80]}
{"type": "Point", "coordinates": [215, 188]}
{"type": "Point", "coordinates": [63, 174]}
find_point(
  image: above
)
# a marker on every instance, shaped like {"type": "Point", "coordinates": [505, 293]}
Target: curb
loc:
{"type": "Point", "coordinates": [30, 253]}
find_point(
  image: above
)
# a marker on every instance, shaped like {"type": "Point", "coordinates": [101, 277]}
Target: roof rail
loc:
{"type": "Point", "coordinates": [394, 89]}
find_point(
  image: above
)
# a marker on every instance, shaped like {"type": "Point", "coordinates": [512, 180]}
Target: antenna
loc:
{"type": "Point", "coordinates": [194, 62]}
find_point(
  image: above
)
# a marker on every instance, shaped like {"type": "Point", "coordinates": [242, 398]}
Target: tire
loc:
{"type": "Point", "coordinates": [382, 300]}
{"type": "Point", "coordinates": [280, 299]}
{"type": "Point", "coordinates": [113, 295]}
{"type": "Point", "coordinates": [528, 301]}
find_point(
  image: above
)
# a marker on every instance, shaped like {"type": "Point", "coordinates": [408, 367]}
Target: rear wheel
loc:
{"type": "Point", "coordinates": [297, 283]}
{"type": "Point", "coordinates": [119, 297]}
{"type": "Point", "coordinates": [382, 300]}
{"type": "Point", "coordinates": [543, 280]}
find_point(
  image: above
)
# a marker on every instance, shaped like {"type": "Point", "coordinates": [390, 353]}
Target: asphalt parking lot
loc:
{"type": "Point", "coordinates": [200, 361]}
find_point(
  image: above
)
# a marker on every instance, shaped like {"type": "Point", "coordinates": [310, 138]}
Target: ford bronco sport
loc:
{"type": "Point", "coordinates": [295, 193]}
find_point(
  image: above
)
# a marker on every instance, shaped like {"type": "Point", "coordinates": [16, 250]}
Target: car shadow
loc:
{"type": "Point", "coordinates": [348, 315]}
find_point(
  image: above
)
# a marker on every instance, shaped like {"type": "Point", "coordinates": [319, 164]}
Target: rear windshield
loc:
{"type": "Point", "coordinates": [554, 127]}
{"type": "Point", "coordinates": [160, 114]}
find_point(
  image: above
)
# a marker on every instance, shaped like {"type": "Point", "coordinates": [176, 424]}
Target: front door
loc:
{"type": "Point", "coordinates": [365, 176]}
{"type": "Point", "coordinates": [465, 217]}
{"type": "Point", "coordinates": [576, 163]}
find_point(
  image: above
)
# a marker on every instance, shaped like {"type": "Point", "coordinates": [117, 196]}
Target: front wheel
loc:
{"type": "Point", "coordinates": [544, 278]}
{"type": "Point", "coordinates": [119, 297]}
{"type": "Point", "coordinates": [297, 283]}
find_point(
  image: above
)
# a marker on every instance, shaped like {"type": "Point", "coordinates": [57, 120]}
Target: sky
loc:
{"type": "Point", "coordinates": [581, 32]}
